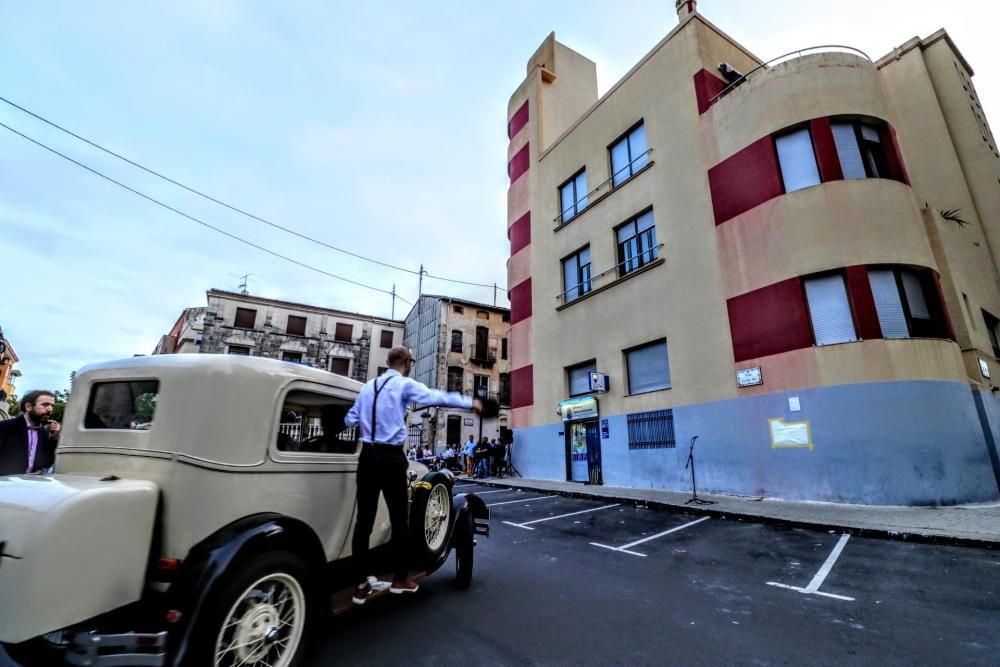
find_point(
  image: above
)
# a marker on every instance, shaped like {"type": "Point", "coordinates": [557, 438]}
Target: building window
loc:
{"type": "Point", "coordinates": [636, 243]}
{"type": "Point", "coordinates": [344, 333]}
{"type": "Point", "coordinates": [797, 160]}
{"type": "Point", "coordinates": [829, 310]}
{"type": "Point", "coordinates": [245, 318]}
{"type": "Point", "coordinates": [504, 389]}
{"type": "Point", "coordinates": [860, 150]}
{"type": "Point", "coordinates": [456, 341]}
{"type": "Point", "coordinates": [340, 366]}
{"type": "Point", "coordinates": [385, 338]}
{"type": "Point", "coordinates": [576, 275]}
{"type": "Point", "coordinates": [629, 155]}
{"type": "Point", "coordinates": [648, 367]}
{"type": "Point", "coordinates": [481, 385]}
{"type": "Point", "coordinates": [505, 317]}
{"type": "Point", "coordinates": [296, 326]}
{"type": "Point", "coordinates": [457, 309]}
{"type": "Point", "coordinates": [294, 357]}
{"type": "Point", "coordinates": [901, 300]}
{"type": "Point", "coordinates": [381, 371]}
{"type": "Point", "coordinates": [239, 350]}
{"type": "Point", "coordinates": [482, 315]}
{"type": "Point", "coordinates": [573, 197]}
{"type": "Point", "coordinates": [651, 430]}
{"type": "Point", "coordinates": [503, 348]}
{"type": "Point", "coordinates": [578, 377]}
{"type": "Point", "coordinates": [992, 323]}
{"type": "Point", "coordinates": [455, 378]}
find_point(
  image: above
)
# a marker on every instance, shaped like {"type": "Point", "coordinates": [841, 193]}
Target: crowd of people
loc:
{"type": "Point", "coordinates": [485, 458]}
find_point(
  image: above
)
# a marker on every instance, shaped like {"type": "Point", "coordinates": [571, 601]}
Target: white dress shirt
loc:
{"type": "Point", "coordinates": [395, 393]}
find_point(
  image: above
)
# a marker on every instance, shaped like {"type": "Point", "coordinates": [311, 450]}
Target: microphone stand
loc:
{"type": "Point", "coordinates": [694, 487]}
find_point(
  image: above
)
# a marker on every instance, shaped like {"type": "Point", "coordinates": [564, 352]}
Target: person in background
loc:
{"type": "Point", "coordinates": [469, 450]}
{"type": "Point", "coordinates": [482, 458]}
{"type": "Point", "coordinates": [28, 441]}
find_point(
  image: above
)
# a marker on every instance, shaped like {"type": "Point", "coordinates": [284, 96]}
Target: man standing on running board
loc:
{"type": "Point", "coordinates": [380, 414]}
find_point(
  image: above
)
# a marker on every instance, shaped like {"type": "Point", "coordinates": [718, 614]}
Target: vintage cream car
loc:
{"type": "Point", "coordinates": [200, 513]}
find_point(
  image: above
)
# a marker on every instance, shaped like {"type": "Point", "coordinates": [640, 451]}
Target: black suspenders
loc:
{"type": "Point", "coordinates": [377, 390]}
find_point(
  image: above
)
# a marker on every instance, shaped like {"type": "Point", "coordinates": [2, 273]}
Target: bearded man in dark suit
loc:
{"type": "Point", "coordinates": [28, 441]}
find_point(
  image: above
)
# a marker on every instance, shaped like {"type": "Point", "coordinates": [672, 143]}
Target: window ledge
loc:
{"type": "Point", "coordinates": [651, 391]}
{"type": "Point", "coordinates": [617, 281]}
{"type": "Point", "coordinates": [604, 196]}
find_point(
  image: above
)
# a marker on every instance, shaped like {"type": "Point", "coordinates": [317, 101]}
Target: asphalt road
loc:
{"type": "Point", "coordinates": [711, 592]}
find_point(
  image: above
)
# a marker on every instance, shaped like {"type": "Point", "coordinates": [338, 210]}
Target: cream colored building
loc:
{"type": "Point", "coordinates": [459, 346]}
{"type": "Point", "coordinates": [794, 261]}
{"type": "Point", "coordinates": [350, 344]}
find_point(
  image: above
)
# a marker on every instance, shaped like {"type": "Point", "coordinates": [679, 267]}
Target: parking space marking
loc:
{"type": "Point", "coordinates": [824, 570]}
{"type": "Point", "coordinates": [483, 493]}
{"type": "Point", "coordinates": [625, 547]}
{"type": "Point", "coordinates": [526, 525]}
{"type": "Point", "coordinates": [523, 500]}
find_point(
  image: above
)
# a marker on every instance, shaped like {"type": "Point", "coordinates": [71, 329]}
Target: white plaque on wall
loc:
{"type": "Point", "coordinates": [984, 368]}
{"type": "Point", "coordinates": [748, 377]}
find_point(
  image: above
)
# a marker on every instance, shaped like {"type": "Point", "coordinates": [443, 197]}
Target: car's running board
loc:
{"type": "Point", "coordinates": [481, 528]}
{"type": "Point", "coordinates": [132, 648]}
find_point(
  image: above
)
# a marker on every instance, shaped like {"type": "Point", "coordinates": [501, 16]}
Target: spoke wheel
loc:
{"type": "Point", "coordinates": [436, 517]}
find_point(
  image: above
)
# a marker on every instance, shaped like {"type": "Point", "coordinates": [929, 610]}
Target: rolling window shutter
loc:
{"type": "Point", "coordinates": [570, 279]}
{"type": "Point", "coordinates": [915, 296]}
{"type": "Point", "coordinates": [579, 379]}
{"type": "Point", "coordinates": [829, 310]}
{"type": "Point", "coordinates": [848, 151]}
{"type": "Point", "coordinates": [648, 368]}
{"type": "Point", "coordinates": [890, 309]}
{"type": "Point", "coordinates": [797, 160]}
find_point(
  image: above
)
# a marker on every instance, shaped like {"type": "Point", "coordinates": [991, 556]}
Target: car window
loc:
{"type": "Point", "coordinates": [127, 406]}
{"type": "Point", "coordinates": [314, 422]}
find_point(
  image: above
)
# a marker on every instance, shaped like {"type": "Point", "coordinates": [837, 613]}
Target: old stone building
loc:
{"type": "Point", "coordinates": [341, 342]}
{"type": "Point", "coordinates": [459, 346]}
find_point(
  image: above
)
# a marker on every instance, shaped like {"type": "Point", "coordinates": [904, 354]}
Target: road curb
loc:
{"type": "Point", "coordinates": [897, 535]}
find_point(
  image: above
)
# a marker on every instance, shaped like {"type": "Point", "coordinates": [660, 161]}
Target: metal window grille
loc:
{"type": "Point", "coordinates": [651, 430]}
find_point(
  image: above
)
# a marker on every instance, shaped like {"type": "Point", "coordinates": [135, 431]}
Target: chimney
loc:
{"type": "Point", "coordinates": [685, 8]}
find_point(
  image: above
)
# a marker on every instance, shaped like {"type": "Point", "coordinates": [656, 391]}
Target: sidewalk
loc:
{"type": "Point", "coordinates": [973, 525]}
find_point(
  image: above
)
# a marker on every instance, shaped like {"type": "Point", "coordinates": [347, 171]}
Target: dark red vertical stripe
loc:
{"type": "Point", "coordinates": [522, 386]}
{"type": "Point", "coordinates": [518, 120]}
{"type": "Point", "coordinates": [826, 150]}
{"type": "Point", "coordinates": [863, 301]}
{"type": "Point", "coordinates": [706, 86]}
{"type": "Point", "coordinates": [518, 164]}
{"type": "Point", "coordinates": [897, 171]}
{"type": "Point", "coordinates": [942, 314]}
{"type": "Point", "coordinates": [744, 180]}
{"type": "Point", "coordinates": [769, 320]}
{"type": "Point", "coordinates": [520, 233]}
{"type": "Point", "coordinates": [520, 301]}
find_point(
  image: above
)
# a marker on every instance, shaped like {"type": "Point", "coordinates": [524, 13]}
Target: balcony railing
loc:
{"type": "Point", "coordinates": [603, 189]}
{"type": "Point", "coordinates": [482, 355]}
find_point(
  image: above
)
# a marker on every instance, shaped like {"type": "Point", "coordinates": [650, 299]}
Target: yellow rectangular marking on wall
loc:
{"type": "Point", "coordinates": [789, 434]}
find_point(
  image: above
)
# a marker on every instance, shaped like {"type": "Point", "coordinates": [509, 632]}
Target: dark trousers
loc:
{"type": "Point", "coordinates": [381, 469]}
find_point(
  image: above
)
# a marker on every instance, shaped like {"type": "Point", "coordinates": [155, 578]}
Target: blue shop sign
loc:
{"type": "Point", "coordinates": [576, 409]}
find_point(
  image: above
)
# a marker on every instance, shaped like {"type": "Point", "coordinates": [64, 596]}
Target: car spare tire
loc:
{"type": "Point", "coordinates": [430, 520]}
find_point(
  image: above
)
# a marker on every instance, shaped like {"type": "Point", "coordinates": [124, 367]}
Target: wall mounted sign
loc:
{"type": "Point", "coordinates": [748, 377]}
{"type": "Point", "coordinates": [605, 434]}
{"type": "Point", "coordinates": [576, 409]}
{"type": "Point", "coordinates": [984, 368]}
{"type": "Point", "coordinates": [790, 434]}
{"type": "Point", "coordinates": [468, 421]}
{"type": "Point", "coordinates": [599, 381]}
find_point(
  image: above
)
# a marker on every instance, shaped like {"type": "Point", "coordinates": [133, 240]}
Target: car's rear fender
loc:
{"type": "Point", "coordinates": [208, 564]}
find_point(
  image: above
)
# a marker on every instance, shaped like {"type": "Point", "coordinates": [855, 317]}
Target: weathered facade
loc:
{"type": "Point", "coordinates": [349, 344]}
{"type": "Point", "coordinates": [8, 359]}
{"type": "Point", "coordinates": [459, 346]}
{"type": "Point", "coordinates": [798, 266]}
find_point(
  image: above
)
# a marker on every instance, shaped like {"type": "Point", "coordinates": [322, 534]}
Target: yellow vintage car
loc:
{"type": "Point", "coordinates": [201, 513]}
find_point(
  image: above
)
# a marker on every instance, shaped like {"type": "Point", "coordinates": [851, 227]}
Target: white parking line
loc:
{"type": "Point", "coordinates": [625, 547]}
{"type": "Point", "coordinates": [483, 493]}
{"type": "Point", "coordinates": [824, 570]}
{"type": "Point", "coordinates": [561, 516]}
{"type": "Point", "coordinates": [524, 500]}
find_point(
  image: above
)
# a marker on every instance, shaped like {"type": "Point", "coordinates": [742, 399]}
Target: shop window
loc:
{"type": "Point", "coordinates": [573, 196]}
{"type": "Point", "coordinates": [829, 310]}
{"type": "Point", "coordinates": [576, 275]}
{"type": "Point", "coordinates": [340, 366]}
{"type": "Point", "coordinates": [344, 333]}
{"type": "Point", "coordinates": [648, 367]}
{"type": "Point", "coordinates": [385, 338]}
{"type": "Point", "coordinates": [797, 160]}
{"type": "Point", "coordinates": [651, 430]}
{"type": "Point", "coordinates": [636, 243]}
{"type": "Point", "coordinates": [578, 377]}
{"type": "Point", "coordinates": [629, 155]}
{"type": "Point", "coordinates": [245, 318]}
{"type": "Point", "coordinates": [296, 326]}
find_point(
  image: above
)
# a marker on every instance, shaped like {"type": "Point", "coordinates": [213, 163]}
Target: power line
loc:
{"type": "Point", "coordinates": [215, 200]}
{"type": "Point", "coordinates": [197, 220]}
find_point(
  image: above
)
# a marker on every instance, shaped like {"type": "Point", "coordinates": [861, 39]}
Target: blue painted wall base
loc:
{"type": "Point", "coordinates": [894, 443]}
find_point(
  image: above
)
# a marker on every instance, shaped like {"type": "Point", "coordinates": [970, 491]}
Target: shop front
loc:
{"type": "Point", "coordinates": [583, 440]}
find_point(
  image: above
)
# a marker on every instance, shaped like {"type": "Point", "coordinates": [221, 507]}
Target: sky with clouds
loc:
{"type": "Point", "coordinates": [379, 127]}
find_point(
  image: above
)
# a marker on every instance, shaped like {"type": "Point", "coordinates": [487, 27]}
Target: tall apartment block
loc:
{"type": "Point", "coordinates": [793, 261]}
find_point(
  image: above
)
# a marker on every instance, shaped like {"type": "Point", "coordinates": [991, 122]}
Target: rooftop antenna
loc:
{"type": "Point", "coordinates": [243, 283]}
